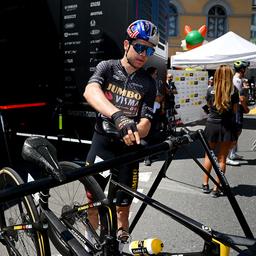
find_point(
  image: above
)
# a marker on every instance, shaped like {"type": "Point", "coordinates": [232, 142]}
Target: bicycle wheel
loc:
{"type": "Point", "coordinates": [14, 215]}
{"type": "Point", "coordinates": [68, 198]}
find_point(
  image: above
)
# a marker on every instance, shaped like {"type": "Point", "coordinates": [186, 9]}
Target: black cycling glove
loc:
{"type": "Point", "coordinates": [123, 123]}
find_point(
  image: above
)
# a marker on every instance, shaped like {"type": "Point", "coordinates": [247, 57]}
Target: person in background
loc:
{"type": "Point", "coordinates": [240, 69]}
{"type": "Point", "coordinates": [210, 84]}
{"type": "Point", "coordinates": [246, 88]}
{"type": "Point", "coordinates": [157, 117]}
{"type": "Point", "coordinates": [123, 94]}
{"type": "Point", "coordinates": [222, 100]}
{"type": "Point", "coordinates": [251, 91]}
{"type": "Point", "coordinates": [210, 81]}
{"type": "Point", "coordinates": [169, 100]}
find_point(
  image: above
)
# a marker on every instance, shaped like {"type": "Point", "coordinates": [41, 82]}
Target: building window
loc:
{"type": "Point", "coordinates": [156, 12]}
{"type": "Point", "coordinates": [173, 20]}
{"type": "Point", "coordinates": [253, 26]}
{"type": "Point", "coordinates": [217, 22]}
{"type": "Point", "coordinates": [162, 23]}
{"type": "Point", "coordinates": [145, 10]}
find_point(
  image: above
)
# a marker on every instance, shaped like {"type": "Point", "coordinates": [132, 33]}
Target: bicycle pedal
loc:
{"type": "Point", "coordinates": [123, 236]}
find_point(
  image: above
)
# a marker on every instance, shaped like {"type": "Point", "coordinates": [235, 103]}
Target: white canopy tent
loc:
{"type": "Point", "coordinates": [225, 49]}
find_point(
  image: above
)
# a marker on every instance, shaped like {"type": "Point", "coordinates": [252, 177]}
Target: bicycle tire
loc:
{"type": "Point", "coordinates": [19, 211]}
{"type": "Point", "coordinates": [76, 195]}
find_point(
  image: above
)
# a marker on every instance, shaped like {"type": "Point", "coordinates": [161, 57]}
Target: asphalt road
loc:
{"type": "Point", "coordinates": [182, 192]}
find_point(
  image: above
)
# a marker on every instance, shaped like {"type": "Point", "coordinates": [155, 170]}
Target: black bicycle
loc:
{"type": "Point", "coordinates": [62, 228]}
{"type": "Point", "coordinates": [25, 226]}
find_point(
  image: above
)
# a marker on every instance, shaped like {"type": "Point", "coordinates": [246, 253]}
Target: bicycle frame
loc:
{"type": "Point", "coordinates": [225, 185]}
{"type": "Point", "coordinates": [14, 229]}
{"type": "Point", "coordinates": [210, 236]}
{"type": "Point", "coordinates": [48, 217]}
{"type": "Point", "coordinates": [213, 238]}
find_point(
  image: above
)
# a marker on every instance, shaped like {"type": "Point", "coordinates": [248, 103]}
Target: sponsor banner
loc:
{"type": "Point", "coordinates": [191, 87]}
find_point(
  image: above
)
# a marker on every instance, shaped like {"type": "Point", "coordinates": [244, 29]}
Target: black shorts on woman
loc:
{"type": "Point", "coordinates": [220, 130]}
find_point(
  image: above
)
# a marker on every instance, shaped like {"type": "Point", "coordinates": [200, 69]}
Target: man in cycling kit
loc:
{"type": "Point", "coordinates": [123, 94]}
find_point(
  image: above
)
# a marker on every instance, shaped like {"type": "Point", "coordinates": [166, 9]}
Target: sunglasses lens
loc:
{"type": "Point", "coordinates": [150, 51]}
{"type": "Point", "coordinates": [139, 48]}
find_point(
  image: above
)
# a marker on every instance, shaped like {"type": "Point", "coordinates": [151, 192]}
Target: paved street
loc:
{"type": "Point", "coordinates": [181, 191]}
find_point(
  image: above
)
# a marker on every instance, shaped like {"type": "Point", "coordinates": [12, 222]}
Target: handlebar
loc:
{"type": "Point", "coordinates": [186, 138]}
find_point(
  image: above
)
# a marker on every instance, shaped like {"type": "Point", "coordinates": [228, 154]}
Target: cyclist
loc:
{"type": "Point", "coordinates": [123, 94]}
{"type": "Point", "coordinates": [240, 67]}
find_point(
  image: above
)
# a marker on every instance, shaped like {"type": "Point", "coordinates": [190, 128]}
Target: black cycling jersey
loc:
{"type": "Point", "coordinates": [216, 116]}
{"type": "Point", "coordinates": [134, 93]}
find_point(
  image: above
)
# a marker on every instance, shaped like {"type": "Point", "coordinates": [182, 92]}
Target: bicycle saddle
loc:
{"type": "Point", "coordinates": [41, 152]}
{"type": "Point", "coordinates": [110, 129]}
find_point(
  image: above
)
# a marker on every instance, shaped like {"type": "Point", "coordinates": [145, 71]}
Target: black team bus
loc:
{"type": "Point", "coordinates": [49, 49]}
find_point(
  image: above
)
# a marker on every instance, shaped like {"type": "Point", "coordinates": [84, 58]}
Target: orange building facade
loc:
{"type": "Point", "coordinates": [220, 16]}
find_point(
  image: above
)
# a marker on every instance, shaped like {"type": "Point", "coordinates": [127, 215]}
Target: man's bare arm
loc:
{"type": "Point", "coordinates": [96, 98]}
{"type": "Point", "coordinates": [244, 104]}
{"type": "Point", "coordinates": [143, 127]}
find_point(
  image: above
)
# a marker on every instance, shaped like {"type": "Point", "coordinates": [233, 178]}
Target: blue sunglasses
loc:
{"type": "Point", "coordinates": [140, 48]}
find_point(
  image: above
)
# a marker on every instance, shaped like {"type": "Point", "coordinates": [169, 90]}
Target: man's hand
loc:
{"type": "Point", "coordinates": [127, 128]}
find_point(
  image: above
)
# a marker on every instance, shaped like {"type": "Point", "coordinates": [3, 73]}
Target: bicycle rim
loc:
{"type": "Point", "coordinates": [16, 212]}
{"type": "Point", "coordinates": [74, 194]}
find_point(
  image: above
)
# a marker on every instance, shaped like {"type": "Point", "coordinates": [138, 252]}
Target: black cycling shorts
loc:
{"type": "Point", "coordinates": [103, 148]}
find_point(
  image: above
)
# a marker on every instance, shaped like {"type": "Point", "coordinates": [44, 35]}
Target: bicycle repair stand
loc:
{"type": "Point", "coordinates": [224, 184]}
{"type": "Point", "coordinates": [159, 177]}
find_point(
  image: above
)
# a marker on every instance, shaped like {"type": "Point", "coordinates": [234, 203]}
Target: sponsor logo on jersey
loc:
{"type": "Point", "coordinates": [123, 92]}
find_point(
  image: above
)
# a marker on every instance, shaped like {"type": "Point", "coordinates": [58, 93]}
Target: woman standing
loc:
{"type": "Point", "coordinates": [222, 100]}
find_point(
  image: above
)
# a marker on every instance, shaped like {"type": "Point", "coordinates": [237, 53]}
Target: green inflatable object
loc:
{"type": "Point", "coordinates": [194, 37]}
